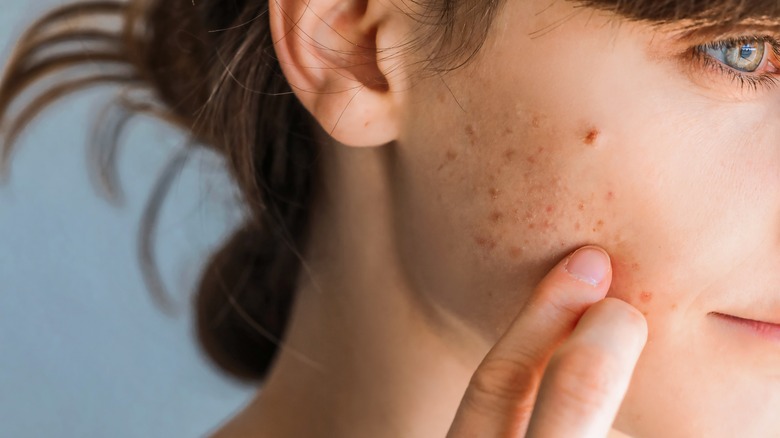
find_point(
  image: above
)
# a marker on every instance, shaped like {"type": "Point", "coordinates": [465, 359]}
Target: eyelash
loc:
{"type": "Point", "coordinates": [744, 79]}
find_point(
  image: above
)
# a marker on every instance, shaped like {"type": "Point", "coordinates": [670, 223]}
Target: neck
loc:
{"type": "Point", "coordinates": [363, 354]}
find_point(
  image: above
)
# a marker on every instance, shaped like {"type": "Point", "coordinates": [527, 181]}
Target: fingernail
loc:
{"type": "Point", "coordinates": [588, 264]}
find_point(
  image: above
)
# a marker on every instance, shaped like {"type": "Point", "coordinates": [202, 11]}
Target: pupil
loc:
{"type": "Point", "coordinates": [747, 51]}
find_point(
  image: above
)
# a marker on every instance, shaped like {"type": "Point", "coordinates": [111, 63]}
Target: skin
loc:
{"type": "Point", "coordinates": [570, 127]}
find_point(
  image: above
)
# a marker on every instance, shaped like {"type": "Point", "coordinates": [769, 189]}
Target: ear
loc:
{"type": "Point", "coordinates": [328, 52]}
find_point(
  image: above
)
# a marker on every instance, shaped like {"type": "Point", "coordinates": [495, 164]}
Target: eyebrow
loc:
{"type": "Point", "coordinates": [720, 12]}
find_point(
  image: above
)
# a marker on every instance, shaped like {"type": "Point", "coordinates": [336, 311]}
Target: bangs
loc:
{"type": "Point", "coordinates": [698, 11]}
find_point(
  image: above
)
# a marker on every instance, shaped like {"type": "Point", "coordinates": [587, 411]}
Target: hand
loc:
{"type": "Point", "coordinates": [564, 365]}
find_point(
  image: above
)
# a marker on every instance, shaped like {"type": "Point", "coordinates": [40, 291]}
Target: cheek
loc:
{"type": "Point", "coordinates": [538, 196]}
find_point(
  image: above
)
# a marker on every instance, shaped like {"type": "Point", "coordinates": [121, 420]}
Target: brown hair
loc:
{"type": "Point", "coordinates": [212, 71]}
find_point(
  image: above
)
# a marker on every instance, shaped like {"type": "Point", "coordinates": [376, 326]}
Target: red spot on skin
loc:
{"type": "Point", "coordinates": [484, 242]}
{"type": "Point", "coordinates": [645, 296]}
{"type": "Point", "coordinates": [635, 266]}
{"type": "Point", "coordinates": [509, 154]}
{"type": "Point", "coordinates": [577, 226]}
{"type": "Point", "coordinates": [610, 196]}
{"type": "Point", "coordinates": [549, 208]}
{"type": "Point", "coordinates": [531, 226]}
{"type": "Point", "coordinates": [494, 192]}
{"type": "Point", "coordinates": [540, 150]}
{"type": "Point", "coordinates": [496, 216]}
{"type": "Point", "coordinates": [591, 136]}
{"type": "Point", "coordinates": [581, 206]}
{"type": "Point", "coordinates": [515, 252]}
{"type": "Point", "coordinates": [531, 160]}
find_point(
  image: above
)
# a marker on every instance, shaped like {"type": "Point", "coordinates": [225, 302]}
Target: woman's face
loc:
{"type": "Point", "coordinates": [573, 126]}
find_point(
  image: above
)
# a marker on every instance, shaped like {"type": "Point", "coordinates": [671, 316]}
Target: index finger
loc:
{"type": "Point", "coordinates": [501, 393]}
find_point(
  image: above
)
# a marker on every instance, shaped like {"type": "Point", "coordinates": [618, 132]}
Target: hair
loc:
{"type": "Point", "coordinates": [212, 72]}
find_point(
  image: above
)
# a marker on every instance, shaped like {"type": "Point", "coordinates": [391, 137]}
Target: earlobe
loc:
{"type": "Point", "coordinates": [328, 52]}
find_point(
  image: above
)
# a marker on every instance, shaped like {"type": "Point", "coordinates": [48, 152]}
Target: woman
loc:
{"type": "Point", "coordinates": [419, 175]}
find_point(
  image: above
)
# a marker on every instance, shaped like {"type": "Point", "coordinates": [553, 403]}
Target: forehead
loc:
{"type": "Point", "coordinates": [669, 11]}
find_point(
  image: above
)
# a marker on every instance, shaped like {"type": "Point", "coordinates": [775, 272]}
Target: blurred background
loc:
{"type": "Point", "coordinates": [84, 349]}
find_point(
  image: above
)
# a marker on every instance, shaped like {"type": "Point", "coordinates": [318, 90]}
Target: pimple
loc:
{"type": "Point", "coordinates": [496, 216]}
{"type": "Point", "coordinates": [509, 154]}
{"type": "Point", "coordinates": [581, 206]}
{"type": "Point", "coordinates": [494, 192]}
{"type": "Point", "coordinates": [591, 136]}
{"type": "Point", "coordinates": [610, 195]}
{"type": "Point", "coordinates": [549, 208]}
{"type": "Point", "coordinates": [645, 296]}
{"type": "Point", "coordinates": [485, 242]}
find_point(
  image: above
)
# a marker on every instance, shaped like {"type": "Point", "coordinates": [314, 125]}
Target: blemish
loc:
{"type": "Point", "coordinates": [451, 155]}
{"type": "Point", "coordinates": [536, 121]}
{"type": "Point", "coordinates": [484, 242]}
{"type": "Point", "coordinates": [531, 160]}
{"type": "Point", "coordinates": [610, 195]}
{"type": "Point", "coordinates": [496, 216]}
{"type": "Point", "coordinates": [577, 226]}
{"type": "Point", "coordinates": [549, 208]}
{"type": "Point", "coordinates": [645, 296]}
{"type": "Point", "coordinates": [494, 192]}
{"type": "Point", "coordinates": [508, 130]}
{"type": "Point", "coordinates": [581, 206]}
{"type": "Point", "coordinates": [635, 266]}
{"type": "Point", "coordinates": [515, 252]}
{"type": "Point", "coordinates": [509, 154]}
{"type": "Point", "coordinates": [591, 136]}
{"type": "Point", "coordinates": [674, 306]}
{"type": "Point", "coordinates": [470, 133]}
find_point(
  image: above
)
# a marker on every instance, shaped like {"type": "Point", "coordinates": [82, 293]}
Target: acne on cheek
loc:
{"type": "Point", "coordinates": [545, 221]}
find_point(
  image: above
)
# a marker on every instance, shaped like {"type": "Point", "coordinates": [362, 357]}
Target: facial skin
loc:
{"type": "Point", "coordinates": [570, 127]}
{"type": "Point", "coordinates": [595, 133]}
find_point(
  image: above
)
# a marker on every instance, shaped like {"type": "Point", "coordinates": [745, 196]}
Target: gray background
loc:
{"type": "Point", "coordinates": [84, 352]}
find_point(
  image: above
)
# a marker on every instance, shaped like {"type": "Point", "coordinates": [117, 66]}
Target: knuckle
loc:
{"type": "Point", "coordinates": [501, 385]}
{"type": "Point", "coordinates": [582, 378]}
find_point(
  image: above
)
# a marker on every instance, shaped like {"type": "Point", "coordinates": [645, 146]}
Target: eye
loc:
{"type": "Point", "coordinates": [744, 56]}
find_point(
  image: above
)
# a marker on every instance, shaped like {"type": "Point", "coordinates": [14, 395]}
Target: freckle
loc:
{"type": "Point", "coordinates": [549, 208]}
{"type": "Point", "coordinates": [508, 131]}
{"type": "Point", "coordinates": [442, 97]}
{"type": "Point", "coordinates": [494, 192]}
{"type": "Point", "coordinates": [644, 312]}
{"type": "Point", "coordinates": [600, 223]}
{"type": "Point", "coordinates": [515, 252]}
{"type": "Point", "coordinates": [366, 124]}
{"type": "Point", "coordinates": [591, 136]}
{"type": "Point", "coordinates": [451, 155]}
{"type": "Point", "coordinates": [496, 216]}
{"type": "Point", "coordinates": [645, 296]}
{"type": "Point", "coordinates": [674, 306]}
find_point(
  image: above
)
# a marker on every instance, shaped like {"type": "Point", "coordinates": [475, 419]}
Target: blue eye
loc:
{"type": "Point", "coordinates": [744, 56]}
